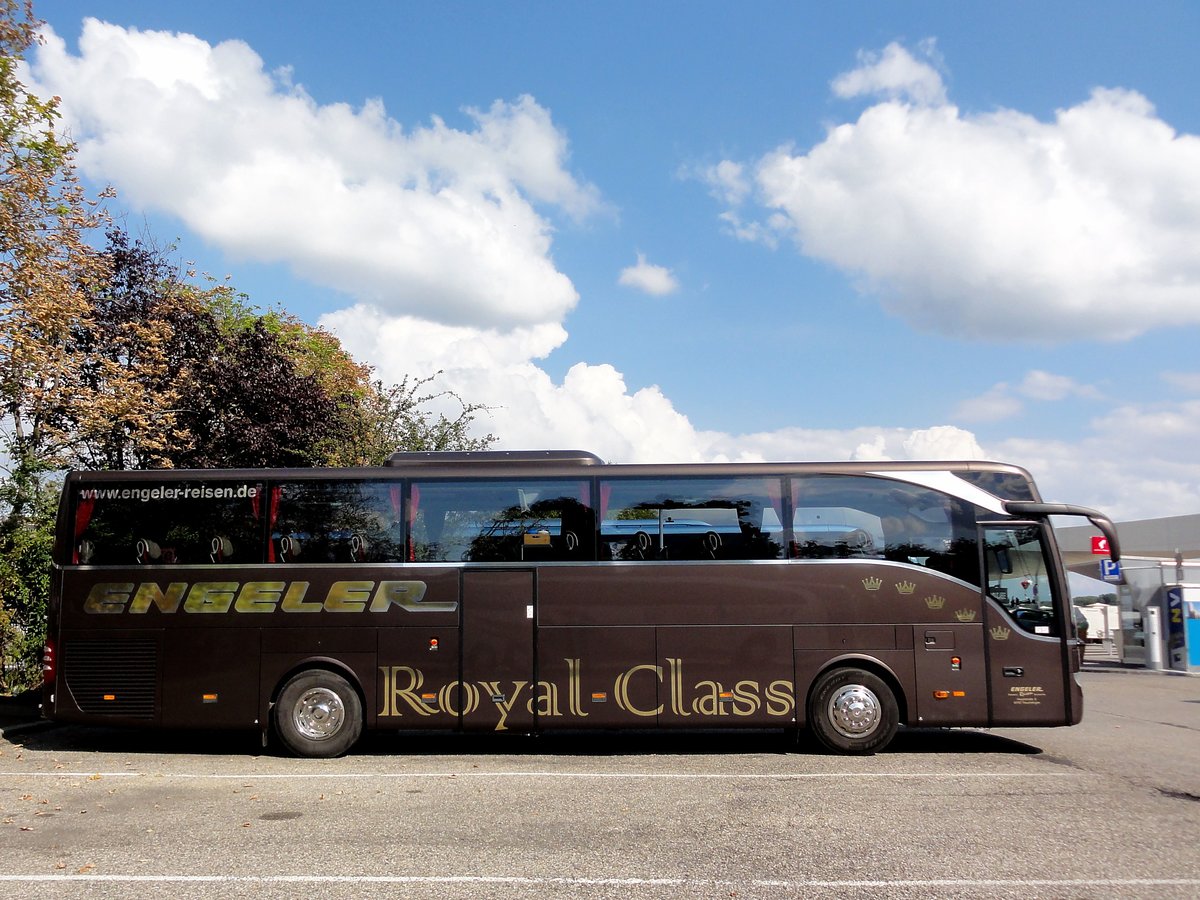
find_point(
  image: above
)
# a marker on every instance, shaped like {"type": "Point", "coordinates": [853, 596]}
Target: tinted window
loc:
{"type": "Point", "coordinates": [336, 522]}
{"type": "Point", "coordinates": [186, 523]}
{"type": "Point", "coordinates": [501, 521]}
{"type": "Point", "coordinates": [856, 517]}
{"type": "Point", "coordinates": [1005, 485]}
{"type": "Point", "coordinates": [1018, 576]}
{"type": "Point", "coordinates": [691, 518]}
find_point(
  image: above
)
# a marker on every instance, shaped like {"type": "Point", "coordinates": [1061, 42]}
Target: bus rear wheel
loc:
{"type": "Point", "coordinates": [318, 714]}
{"type": "Point", "coordinates": [853, 711]}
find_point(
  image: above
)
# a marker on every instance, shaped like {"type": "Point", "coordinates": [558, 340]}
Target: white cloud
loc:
{"type": "Point", "coordinates": [658, 281]}
{"type": "Point", "coordinates": [1003, 401]}
{"type": "Point", "coordinates": [994, 226]}
{"type": "Point", "coordinates": [434, 222]}
{"type": "Point", "coordinates": [942, 442]}
{"type": "Point", "coordinates": [1189, 382]}
{"type": "Point", "coordinates": [727, 179]}
{"type": "Point", "coordinates": [994, 404]}
{"type": "Point", "coordinates": [1040, 385]}
{"type": "Point", "coordinates": [894, 73]}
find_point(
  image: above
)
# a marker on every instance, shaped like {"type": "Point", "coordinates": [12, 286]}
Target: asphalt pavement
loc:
{"type": "Point", "coordinates": [1110, 808]}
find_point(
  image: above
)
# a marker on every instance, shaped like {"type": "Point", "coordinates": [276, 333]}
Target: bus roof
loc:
{"type": "Point", "coordinates": [1002, 480]}
{"type": "Point", "coordinates": [418, 458]}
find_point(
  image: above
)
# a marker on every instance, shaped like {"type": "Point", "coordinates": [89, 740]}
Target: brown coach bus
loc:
{"type": "Point", "coordinates": [532, 591]}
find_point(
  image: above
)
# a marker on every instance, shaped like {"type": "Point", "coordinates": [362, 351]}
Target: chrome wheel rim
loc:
{"type": "Point", "coordinates": [854, 711]}
{"type": "Point", "coordinates": [319, 714]}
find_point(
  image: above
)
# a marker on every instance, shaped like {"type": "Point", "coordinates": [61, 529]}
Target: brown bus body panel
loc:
{"type": "Point", "coordinates": [519, 649]}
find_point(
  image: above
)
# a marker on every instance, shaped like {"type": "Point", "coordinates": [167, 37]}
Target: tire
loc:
{"type": "Point", "coordinates": [853, 711]}
{"type": "Point", "coordinates": [318, 714]}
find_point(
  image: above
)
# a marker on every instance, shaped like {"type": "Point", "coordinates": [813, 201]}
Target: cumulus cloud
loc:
{"type": "Point", "coordinates": [992, 226]}
{"type": "Point", "coordinates": [594, 408]}
{"type": "Point", "coordinates": [658, 281]}
{"type": "Point", "coordinates": [436, 222]}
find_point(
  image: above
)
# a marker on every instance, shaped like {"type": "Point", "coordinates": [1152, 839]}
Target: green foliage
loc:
{"type": "Point", "coordinates": [25, 556]}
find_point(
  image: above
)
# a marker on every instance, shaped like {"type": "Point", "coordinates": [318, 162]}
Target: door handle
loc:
{"type": "Point", "coordinates": [1014, 671]}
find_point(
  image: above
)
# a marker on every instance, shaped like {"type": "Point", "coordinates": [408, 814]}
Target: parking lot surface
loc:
{"type": "Point", "coordinates": [1108, 808]}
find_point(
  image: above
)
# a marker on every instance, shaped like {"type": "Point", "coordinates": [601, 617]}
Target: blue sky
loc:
{"type": "Point", "coordinates": [869, 230]}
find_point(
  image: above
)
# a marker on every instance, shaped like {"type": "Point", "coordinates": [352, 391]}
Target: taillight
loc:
{"type": "Point", "coordinates": [49, 663]}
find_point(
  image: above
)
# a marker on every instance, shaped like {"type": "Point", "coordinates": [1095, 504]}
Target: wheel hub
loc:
{"type": "Point", "coordinates": [854, 711]}
{"type": "Point", "coordinates": [319, 714]}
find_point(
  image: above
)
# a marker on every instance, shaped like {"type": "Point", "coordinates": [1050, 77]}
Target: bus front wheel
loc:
{"type": "Point", "coordinates": [853, 711]}
{"type": "Point", "coordinates": [318, 714]}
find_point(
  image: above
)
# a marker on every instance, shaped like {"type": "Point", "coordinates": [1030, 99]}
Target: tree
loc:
{"type": "Point", "coordinates": [136, 350]}
{"type": "Point", "coordinates": [211, 381]}
{"type": "Point", "coordinates": [400, 418]}
{"type": "Point", "coordinates": [252, 406]}
{"type": "Point", "coordinates": [46, 272]}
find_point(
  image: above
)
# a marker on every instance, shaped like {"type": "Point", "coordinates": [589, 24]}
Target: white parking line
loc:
{"type": "Point", "coordinates": [533, 881]}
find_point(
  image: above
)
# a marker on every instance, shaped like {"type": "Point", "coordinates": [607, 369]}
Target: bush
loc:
{"type": "Point", "coordinates": [25, 570]}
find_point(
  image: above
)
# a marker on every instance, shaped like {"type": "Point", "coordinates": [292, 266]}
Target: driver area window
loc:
{"type": "Point", "coordinates": [1018, 577]}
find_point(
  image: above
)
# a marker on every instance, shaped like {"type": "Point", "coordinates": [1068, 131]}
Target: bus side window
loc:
{"type": "Point", "coordinates": [501, 521]}
{"type": "Point", "coordinates": [868, 517]}
{"type": "Point", "coordinates": [172, 522]}
{"type": "Point", "coordinates": [688, 518]}
{"type": "Point", "coordinates": [337, 521]}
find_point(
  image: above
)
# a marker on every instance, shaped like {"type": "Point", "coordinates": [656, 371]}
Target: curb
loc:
{"type": "Point", "coordinates": [1119, 668]}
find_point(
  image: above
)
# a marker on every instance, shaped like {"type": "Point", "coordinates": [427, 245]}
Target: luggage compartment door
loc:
{"type": "Point", "coordinates": [498, 680]}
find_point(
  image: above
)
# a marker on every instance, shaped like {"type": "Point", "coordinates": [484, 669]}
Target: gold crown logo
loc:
{"type": "Point", "coordinates": [965, 615]}
{"type": "Point", "coordinates": [1000, 633]}
{"type": "Point", "coordinates": [872, 584]}
{"type": "Point", "coordinates": [935, 602]}
{"type": "Point", "coordinates": [906, 587]}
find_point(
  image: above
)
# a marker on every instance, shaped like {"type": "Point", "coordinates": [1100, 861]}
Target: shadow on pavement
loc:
{"type": "Point", "coordinates": [81, 738]}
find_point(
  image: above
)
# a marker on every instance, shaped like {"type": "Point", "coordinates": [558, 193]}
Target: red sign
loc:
{"type": "Point", "coordinates": [1100, 546]}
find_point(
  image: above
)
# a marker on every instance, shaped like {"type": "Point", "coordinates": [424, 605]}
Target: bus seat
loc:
{"type": "Point", "coordinates": [358, 548]}
{"type": "Point", "coordinates": [639, 546]}
{"type": "Point", "coordinates": [222, 549]}
{"type": "Point", "coordinates": [147, 551]}
{"type": "Point", "coordinates": [289, 548]}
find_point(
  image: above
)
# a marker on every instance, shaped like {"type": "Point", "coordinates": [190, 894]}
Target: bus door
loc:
{"type": "Point", "coordinates": [1027, 629]}
{"type": "Point", "coordinates": [498, 683]}
{"type": "Point", "coordinates": [951, 671]}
